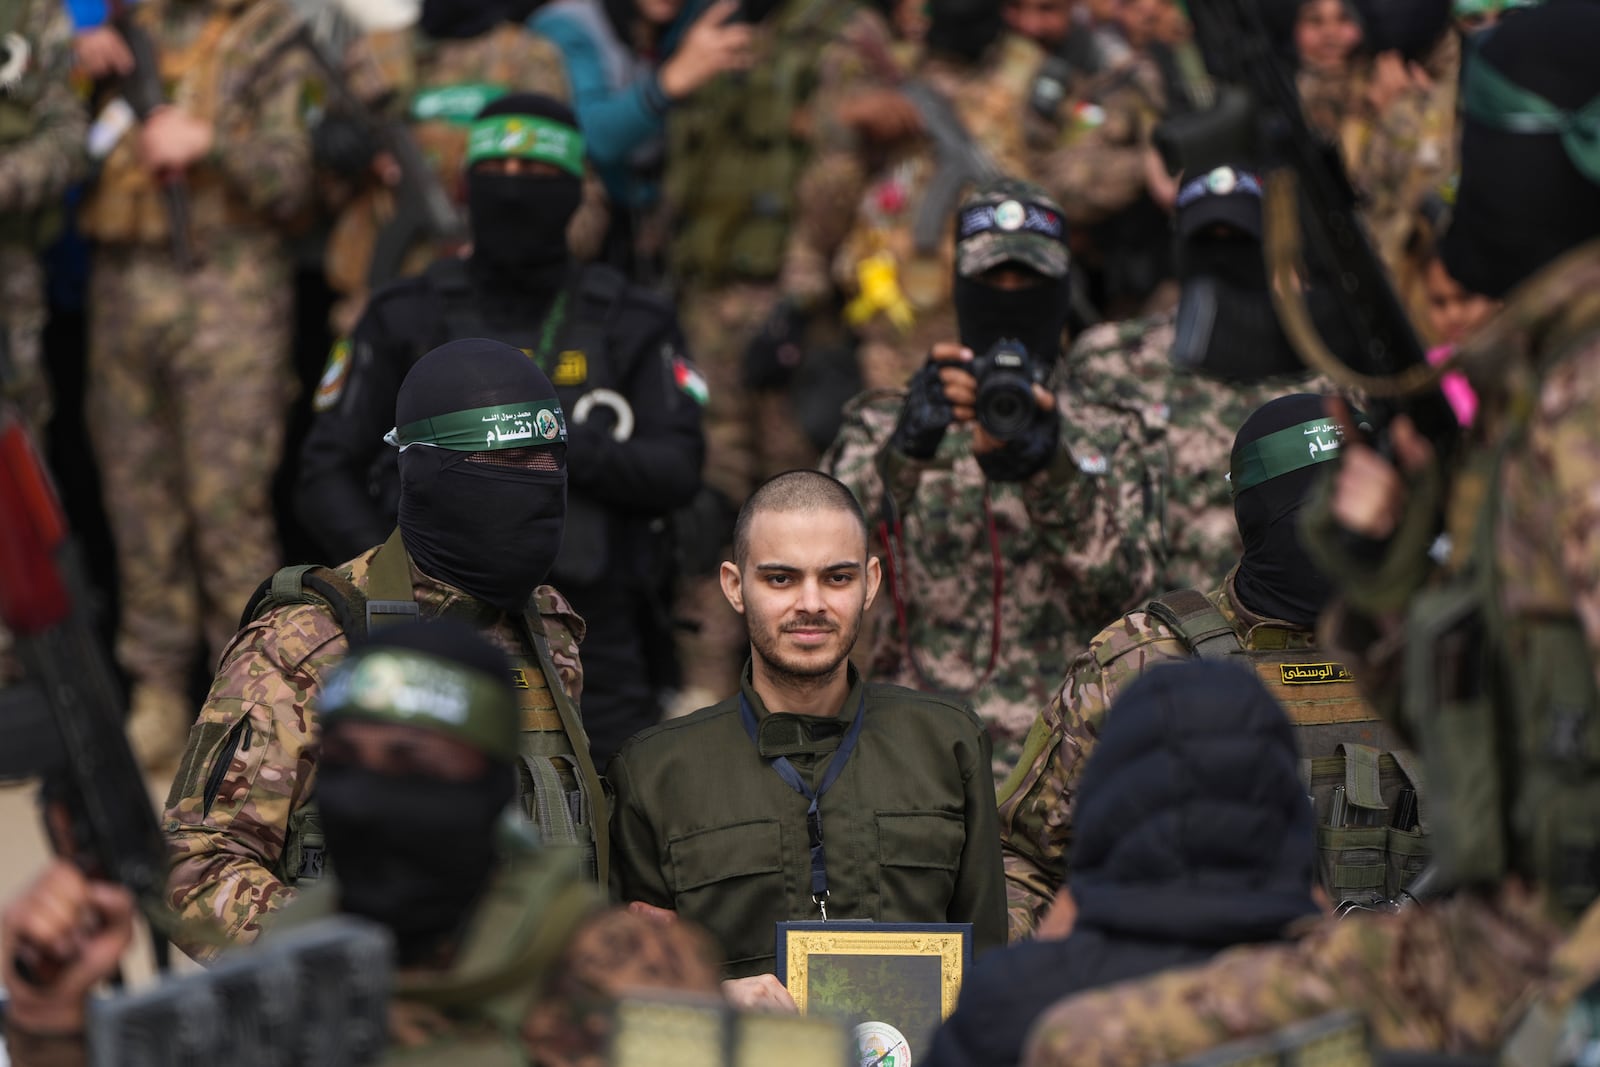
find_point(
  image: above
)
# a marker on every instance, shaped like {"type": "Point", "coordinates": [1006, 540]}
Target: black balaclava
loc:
{"type": "Point", "coordinates": [964, 28]}
{"type": "Point", "coordinates": [1276, 578]}
{"type": "Point", "coordinates": [1522, 202]}
{"type": "Point", "coordinates": [486, 521]}
{"type": "Point", "coordinates": [519, 222]}
{"type": "Point", "coordinates": [1036, 315]}
{"type": "Point", "coordinates": [415, 852]}
{"type": "Point", "coordinates": [1192, 825]}
{"type": "Point", "coordinates": [460, 19]}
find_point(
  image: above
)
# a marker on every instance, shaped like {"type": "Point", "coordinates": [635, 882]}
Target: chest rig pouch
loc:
{"type": "Point", "coordinates": [560, 791]}
{"type": "Point", "coordinates": [1506, 708]}
{"type": "Point", "coordinates": [577, 353]}
{"type": "Point", "coordinates": [1372, 830]}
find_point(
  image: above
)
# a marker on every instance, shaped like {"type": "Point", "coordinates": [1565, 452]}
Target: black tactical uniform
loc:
{"type": "Point", "coordinates": [593, 334]}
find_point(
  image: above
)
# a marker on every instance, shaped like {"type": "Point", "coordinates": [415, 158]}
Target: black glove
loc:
{"type": "Point", "coordinates": [344, 144]}
{"type": "Point", "coordinates": [775, 352]}
{"type": "Point", "coordinates": [1022, 457]}
{"type": "Point", "coordinates": [925, 417]}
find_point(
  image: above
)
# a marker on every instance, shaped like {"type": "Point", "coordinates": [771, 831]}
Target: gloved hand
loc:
{"type": "Point", "coordinates": [344, 144]}
{"type": "Point", "coordinates": [925, 416]}
{"type": "Point", "coordinates": [774, 354]}
{"type": "Point", "coordinates": [1022, 457]}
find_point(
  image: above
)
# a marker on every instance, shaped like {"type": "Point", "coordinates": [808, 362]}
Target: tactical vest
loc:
{"type": "Point", "coordinates": [561, 792]}
{"type": "Point", "coordinates": [1505, 706]}
{"type": "Point", "coordinates": [576, 353]}
{"type": "Point", "coordinates": [31, 229]}
{"type": "Point", "coordinates": [734, 157]}
{"type": "Point", "coordinates": [1351, 764]}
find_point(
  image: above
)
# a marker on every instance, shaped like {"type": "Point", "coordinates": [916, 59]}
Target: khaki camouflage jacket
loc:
{"type": "Point", "coordinates": [991, 587]}
{"type": "Point", "coordinates": [1453, 976]}
{"type": "Point", "coordinates": [1037, 801]}
{"type": "Point", "coordinates": [1118, 379]}
{"type": "Point", "coordinates": [226, 825]}
{"type": "Point", "coordinates": [42, 124]}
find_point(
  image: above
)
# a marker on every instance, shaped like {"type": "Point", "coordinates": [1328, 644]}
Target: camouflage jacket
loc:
{"type": "Point", "coordinates": [1453, 976]}
{"type": "Point", "coordinates": [1118, 375]}
{"type": "Point", "coordinates": [1037, 801]}
{"type": "Point", "coordinates": [226, 826]}
{"type": "Point", "coordinates": [990, 583]}
{"type": "Point", "coordinates": [42, 124]}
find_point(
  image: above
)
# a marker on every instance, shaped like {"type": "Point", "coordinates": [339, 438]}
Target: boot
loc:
{"type": "Point", "coordinates": [158, 728]}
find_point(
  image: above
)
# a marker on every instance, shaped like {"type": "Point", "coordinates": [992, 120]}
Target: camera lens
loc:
{"type": "Point", "coordinates": [1005, 405]}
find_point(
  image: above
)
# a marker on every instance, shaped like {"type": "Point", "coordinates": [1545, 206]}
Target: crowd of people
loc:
{"type": "Point", "coordinates": [888, 418]}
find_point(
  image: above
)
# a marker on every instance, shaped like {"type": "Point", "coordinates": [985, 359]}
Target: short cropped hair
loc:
{"type": "Point", "coordinates": [800, 490]}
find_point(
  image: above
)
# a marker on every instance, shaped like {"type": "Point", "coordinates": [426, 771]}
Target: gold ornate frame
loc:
{"type": "Point", "coordinates": [803, 940]}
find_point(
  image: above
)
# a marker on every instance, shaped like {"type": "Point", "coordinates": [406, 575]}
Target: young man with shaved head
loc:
{"type": "Point", "coordinates": [720, 817]}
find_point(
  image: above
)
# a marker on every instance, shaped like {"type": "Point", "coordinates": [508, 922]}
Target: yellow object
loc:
{"type": "Point", "coordinates": [878, 289]}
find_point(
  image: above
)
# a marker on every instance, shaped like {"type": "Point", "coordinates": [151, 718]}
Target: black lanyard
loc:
{"type": "Point", "coordinates": [795, 781]}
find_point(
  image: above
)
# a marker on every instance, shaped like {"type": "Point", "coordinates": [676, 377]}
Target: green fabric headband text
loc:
{"type": "Point", "coordinates": [418, 689]}
{"type": "Point", "coordinates": [1495, 100]}
{"type": "Point", "coordinates": [526, 137]}
{"type": "Point", "coordinates": [486, 429]}
{"type": "Point", "coordinates": [1280, 453]}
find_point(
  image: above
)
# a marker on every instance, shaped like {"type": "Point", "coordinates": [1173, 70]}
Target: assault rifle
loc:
{"type": "Point", "coordinates": [141, 88]}
{"type": "Point", "coordinates": [961, 162]}
{"type": "Point", "coordinates": [64, 723]}
{"type": "Point", "coordinates": [1257, 117]}
{"type": "Point", "coordinates": [423, 209]}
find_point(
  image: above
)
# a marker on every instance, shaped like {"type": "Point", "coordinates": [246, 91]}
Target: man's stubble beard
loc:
{"type": "Point", "coordinates": [764, 644]}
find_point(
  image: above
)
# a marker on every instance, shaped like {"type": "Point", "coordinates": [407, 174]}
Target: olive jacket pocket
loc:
{"type": "Point", "coordinates": [919, 856]}
{"type": "Point", "coordinates": [729, 879]}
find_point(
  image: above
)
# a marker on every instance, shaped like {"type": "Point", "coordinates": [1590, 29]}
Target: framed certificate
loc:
{"type": "Point", "coordinates": [899, 981]}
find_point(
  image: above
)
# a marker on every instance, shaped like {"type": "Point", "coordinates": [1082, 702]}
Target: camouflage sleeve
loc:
{"type": "Point", "coordinates": [825, 197]}
{"type": "Point", "coordinates": [1451, 978]}
{"type": "Point", "coordinates": [853, 457]}
{"type": "Point", "coordinates": [1037, 800]}
{"type": "Point", "coordinates": [262, 146]}
{"type": "Point", "coordinates": [226, 823]}
{"type": "Point", "coordinates": [34, 171]}
{"type": "Point", "coordinates": [564, 629]}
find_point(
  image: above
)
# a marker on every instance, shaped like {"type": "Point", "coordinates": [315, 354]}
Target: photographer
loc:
{"type": "Point", "coordinates": [1006, 527]}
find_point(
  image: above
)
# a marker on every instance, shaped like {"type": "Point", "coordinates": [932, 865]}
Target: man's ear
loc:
{"type": "Point", "coordinates": [732, 585]}
{"type": "Point", "coordinates": [874, 579]}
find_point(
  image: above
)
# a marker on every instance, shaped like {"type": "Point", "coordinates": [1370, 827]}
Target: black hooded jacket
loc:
{"type": "Point", "coordinates": [1193, 834]}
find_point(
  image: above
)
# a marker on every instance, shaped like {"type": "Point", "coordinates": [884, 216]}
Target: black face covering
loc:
{"type": "Point", "coordinates": [491, 531]}
{"type": "Point", "coordinates": [1276, 577]}
{"type": "Point", "coordinates": [471, 18]}
{"type": "Point", "coordinates": [963, 28]}
{"type": "Point", "coordinates": [519, 225]}
{"type": "Point", "coordinates": [413, 853]}
{"type": "Point", "coordinates": [1035, 315]}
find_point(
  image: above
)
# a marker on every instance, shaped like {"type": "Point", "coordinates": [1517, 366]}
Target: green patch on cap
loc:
{"type": "Point", "coordinates": [415, 689]}
{"type": "Point", "coordinates": [531, 137]}
{"type": "Point", "coordinates": [486, 429]}
{"type": "Point", "coordinates": [1282, 452]}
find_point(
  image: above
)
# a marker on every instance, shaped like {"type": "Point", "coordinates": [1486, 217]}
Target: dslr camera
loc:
{"type": "Point", "coordinates": [1006, 376]}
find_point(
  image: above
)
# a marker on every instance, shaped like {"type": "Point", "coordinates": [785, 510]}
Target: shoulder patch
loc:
{"type": "Point", "coordinates": [331, 386]}
{"type": "Point", "coordinates": [686, 378]}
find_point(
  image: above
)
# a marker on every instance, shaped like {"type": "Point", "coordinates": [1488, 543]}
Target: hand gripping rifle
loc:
{"type": "Point", "coordinates": [64, 724]}
{"type": "Point", "coordinates": [1310, 205]}
{"type": "Point", "coordinates": [141, 88]}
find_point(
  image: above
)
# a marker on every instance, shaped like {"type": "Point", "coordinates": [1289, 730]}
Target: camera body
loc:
{"type": "Point", "coordinates": [1006, 375]}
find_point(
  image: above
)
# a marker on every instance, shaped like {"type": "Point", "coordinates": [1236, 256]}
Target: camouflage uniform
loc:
{"type": "Point", "coordinates": [1184, 424]}
{"type": "Point", "coordinates": [189, 373]}
{"type": "Point", "coordinates": [901, 296]}
{"type": "Point", "coordinates": [42, 132]}
{"type": "Point", "coordinates": [992, 586]}
{"type": "Point", "coordinates": [226, 827]}
{"type": "Point", "coordinates": [1451, 977]}
{"type": "Point", "coordinates": [441, 85]}
{"type": "Point", "coordinates": [1037, 801]}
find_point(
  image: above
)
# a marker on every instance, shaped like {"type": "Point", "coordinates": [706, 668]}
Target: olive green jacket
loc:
{"type": "Point", "coordinates": [704, 826]}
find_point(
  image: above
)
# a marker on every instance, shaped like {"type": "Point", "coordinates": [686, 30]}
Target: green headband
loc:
{"type": "Point", "coordinates": [523, 425]}
{"type": "Point", "coordinates": [1465, 8]}
{"type": "Point", "coordinates": [1282, 452]}
{"type": "Point", "coordinates": [526, 137]}
{"type": "Point", "coordinates": [416, 689]}
{"type": "Point", "coordinates": [1495, 100]}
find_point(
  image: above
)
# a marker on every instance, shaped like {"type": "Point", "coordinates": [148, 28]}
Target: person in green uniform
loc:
{"type": "Point", "coordinates": [719, 816]}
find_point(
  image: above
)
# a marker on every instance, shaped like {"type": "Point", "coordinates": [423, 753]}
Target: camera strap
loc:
{"type": "Point", "coordinates": [796, 781]}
